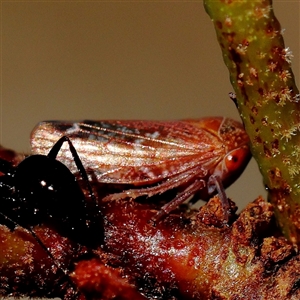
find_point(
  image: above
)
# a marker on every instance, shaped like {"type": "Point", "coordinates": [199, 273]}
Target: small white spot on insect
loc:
{"type": "Point", "coordinates": [138, 141]}
{"type": "Point", "coordinates": [153, 135]}
{"type": "Point", "coordinates": [74, 129]}
{"type": "Point", "coordinates": [147, 171]}
{"type": "Point", "coordinates": [165, 173]}
{"type": "Point", "coordinates": [43, 183]}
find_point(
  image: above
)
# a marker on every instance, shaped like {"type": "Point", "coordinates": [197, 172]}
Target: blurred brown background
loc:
{"type": "Point", "coordinates": [118, 60]}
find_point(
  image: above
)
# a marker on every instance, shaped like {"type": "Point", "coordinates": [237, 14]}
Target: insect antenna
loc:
{"type": "Point", "coordinates": [53, 154]}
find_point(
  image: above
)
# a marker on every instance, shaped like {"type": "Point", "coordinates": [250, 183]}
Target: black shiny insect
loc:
{"type": "Point", "coordinates": [41, 189]}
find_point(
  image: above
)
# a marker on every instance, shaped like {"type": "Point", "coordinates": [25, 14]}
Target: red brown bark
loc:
{"type": "Point", "coordinates": [187, 255]}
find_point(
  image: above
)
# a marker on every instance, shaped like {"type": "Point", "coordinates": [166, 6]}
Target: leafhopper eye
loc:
{"type": "Point", "coordinates": [236, 158]}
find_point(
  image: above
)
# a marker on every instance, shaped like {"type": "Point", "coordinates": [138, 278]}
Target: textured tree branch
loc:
{"type": "Point", "coordinates": [188, 255]}
{"type": "Point", "coordinates": [267, 97]}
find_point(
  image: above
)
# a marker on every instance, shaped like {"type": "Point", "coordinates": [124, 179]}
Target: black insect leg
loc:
{"type": "Point", "coordinates": [65, 273]}
{"type": "Point", "coordinates": [53, 153]}
{"type": "Point", "coordinates": [38, 240]}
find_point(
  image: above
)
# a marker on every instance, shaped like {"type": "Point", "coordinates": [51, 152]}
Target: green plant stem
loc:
{"type": "Point", "coordinates": [267, 98]}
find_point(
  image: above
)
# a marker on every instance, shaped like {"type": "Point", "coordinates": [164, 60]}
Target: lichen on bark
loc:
{"type": "Point", "coordinates": [267, 98]}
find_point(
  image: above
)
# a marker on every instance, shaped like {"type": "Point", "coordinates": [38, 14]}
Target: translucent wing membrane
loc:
{"type": "Point", "coordinates": [195, 155]}
{"type": "Point", "coordinates": [133, 152]}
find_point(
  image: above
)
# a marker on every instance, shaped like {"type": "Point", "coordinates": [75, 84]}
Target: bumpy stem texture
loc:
{"type": "Point", "coordinates": [267, 98]}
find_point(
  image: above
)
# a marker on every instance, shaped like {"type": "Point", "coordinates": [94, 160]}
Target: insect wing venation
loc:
{"type": "Point", "coordinates": [134, 152]}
